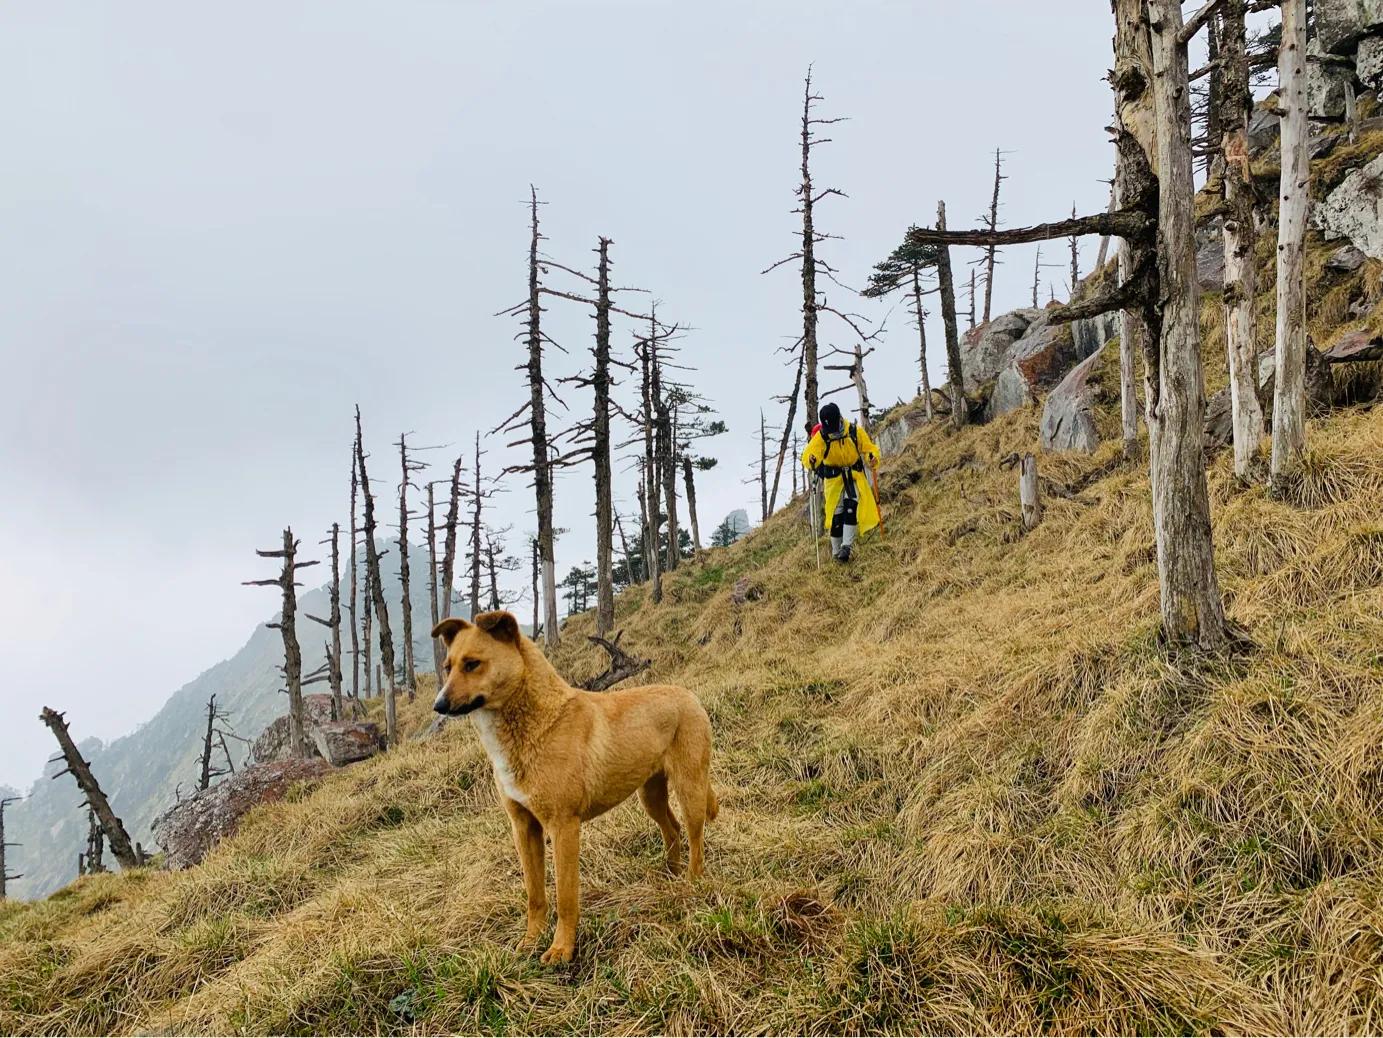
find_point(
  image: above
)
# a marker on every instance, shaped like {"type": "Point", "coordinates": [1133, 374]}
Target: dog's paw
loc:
{"type": "Point", "coordinates": [556, 955]}
{"type": "Point", "coordinates": [529, 942]}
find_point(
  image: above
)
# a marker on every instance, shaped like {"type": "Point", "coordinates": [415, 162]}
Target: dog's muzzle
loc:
{"type": "Point", "coordinates": [442, 706]}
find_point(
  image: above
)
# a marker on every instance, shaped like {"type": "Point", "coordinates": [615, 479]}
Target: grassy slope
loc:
{"type": "Point", "coordinates": [962, 790]}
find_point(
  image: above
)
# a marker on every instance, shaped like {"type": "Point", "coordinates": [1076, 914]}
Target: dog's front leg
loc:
{"type": "Point", "coordinates": [528, 841]}
{"type": "Point", "coordinates": [566, 853]}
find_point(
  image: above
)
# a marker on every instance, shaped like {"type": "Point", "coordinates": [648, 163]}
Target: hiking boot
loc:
{"type": "Point", "coordinates": [843, 555]}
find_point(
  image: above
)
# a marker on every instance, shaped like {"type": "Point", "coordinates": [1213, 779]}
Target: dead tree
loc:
{"type": "Point", "coordinates": [1074, 242]}
{"type": "Point", "coordinates": [622, 665]}
{"type": "Point", "coordinates": [649, 491]}
{"type": "Point", "coordinates": [287, 627]}
{"type": "Point", "coordinates": [432, 576]}
{"type": "Point", "coordinates": [409, 466]}
{"type": "Point", "coordinates": [666, 450]}
{"type": "Point", "coordinates": [855, 372]}
{"type": "Point", "coordinates": [367, 636]}
{"type": "Point", "coordinates": [536, 551]}
{"type": "Point", "coordinates": [536, 410]}
{"type": "Point", "coordinates": [1029, 501]}
{"type": "Point", "coordinates": [6, 876]}
{"type": "Point", "coordinates": [1235, 106]}
{"type": "Point", "coordinates": [93, 861]}
{"type": "Point", "coordinates": [789, 428]}
{"type": "Point", "coordinates": [1289, 379]}
{"type": "Point", "coordinates": [218, 729]}
{"type": "Point", "coordinates": [903, 269]}
{"type": "Point", "coordinates": [355, 636]}
{"type": "Point", "coordinates": [376, 588]}
{"type": "Point", "coordinates": [497, 562]}
{"type": "Point", "coordinates": [444, 602]}
{"type": "Point", "coordinates": [955, 375]}
{"type": "Point", "coordinates": [1156, 199]}
{"type": "Point", "coordinates": [479, 494]}
{"type": "Point", "coordinates": [990, 251]}
{"type": "Point", "coordinates": [972, 299]}
{"type": "Point", "coordinates": [125, 851]}
{"type": "Point", "coordinates": [333, 624]}
{"type": "Point", "coordinates": [629, 567]}
{"type": "Point", "coordinates": [763, 469]}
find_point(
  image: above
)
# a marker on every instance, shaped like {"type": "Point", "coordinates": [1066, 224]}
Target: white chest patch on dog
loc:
{"type": "Point", "coordinates": [489, 738]}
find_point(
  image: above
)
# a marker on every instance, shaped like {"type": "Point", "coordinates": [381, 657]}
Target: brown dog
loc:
{"type": "Point", "coordinates": [562, 756]}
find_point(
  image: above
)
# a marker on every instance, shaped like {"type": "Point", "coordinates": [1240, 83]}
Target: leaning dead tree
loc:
{"type": "Point", "coordinates": [1159, 292]}
{"type": "Point", "coordinates": [376, 587]}
{"type": "Point", "coordinates": [1233, 106]}
{"type": "Point", "coordinates": [6, 876]}
{"type": "Point", "coordinates": [1289, 379]}
{"type": "Point", "coordinates": [126, 852]}
{"type": "Point", "coordinates": [903, 269]}
{"type": "Point", "coordinates": [955, 374]}
{"type": "Point", "coordinates": [536, 410]}
{"type": "Point", "coordinates": [287, 626]}
{"type": "Point", "coordinates": [218, 729]}
{"type": "Point", "coordinates": [333, 624]}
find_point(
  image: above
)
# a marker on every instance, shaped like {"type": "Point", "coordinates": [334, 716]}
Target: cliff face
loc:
{"type": "Point", "coordinates": [141, 772]}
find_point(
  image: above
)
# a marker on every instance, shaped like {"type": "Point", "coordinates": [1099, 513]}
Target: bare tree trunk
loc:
{"type": "Point", "coordinates": [990, 250]}
{"type": "Point", "coordinates": [649, 497]}
{"type": "Point", "coordinates": [338, 706]}
{"type": "Point", "coordinates": [355, 634]}
{"type": "Point", "coordinates": [691, 515]}
{"type": "Point", "coordinates": [386, 638]}
{"type": "Point", "coordinates": [477, 525]}
{"type": "Point", "coordinates": [204, 779]}
{"type": "Point", "coordinates": [1236, 103]}
{"type": "Point", "coordinates": [972, 299]}
{"type": "Point", "coordinates": [921, 315]}
{"type": "Point", "coordinates": [1036, 275]}
{"type": "Point", "coordinates": [763, 469]}
{"type": "Point", "coordinates": [1074, 242]}
{"type": "Point", "coordinates": [954, 374]}
{"type": "Point", "coordinates": [493, 571]}
{"type": "Point", "coordinates": [861, 390]}
{"type": "Point", "coordinates": [410, 675]}
{"type": "Point", "coordinates": [449, 539]}
{"type": "Point", "coordinates": [367, 633]}
{"type": "Point", "coordinates": [809, 301]}
{"type": "Point", "coordinates": [95, 857]}
{"type": "Point", "coordinates": [433, 580]}
{"type": "Point", "coordinates": [120, 844]}
{"type": "Point", "coordinates": [1289, 389]}
{"type": "Point", "coordinates": [624, 546]}
{"type": "Point", "coordinates": [287, 627]}
{"type": "Point", "coordinates": [6, 876]}
{"type": "Point", "coordinates": [1028, 498]}
{"type": "Point", "coordinates": [788, 430]}
{"type": "Point", "coordinates": [1103, 255]}
{"type": "Point", "coordinates": [542, 466]}
{"type": "Point", "coordinates": [600, 450]}
{"type": "Point", "coordinates": [537, 570]}
{"type": "Point", "coordinates": [1192, 612]}
{"type": "Point", "coordinates": [667, 464]}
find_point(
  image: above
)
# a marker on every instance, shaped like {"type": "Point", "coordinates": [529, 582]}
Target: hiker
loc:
{"type": "Point", "coordinates": [837, 453]}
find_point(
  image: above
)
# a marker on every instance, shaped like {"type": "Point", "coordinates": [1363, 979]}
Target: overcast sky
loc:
{"type": "Point", "coordinates": [221, 226]}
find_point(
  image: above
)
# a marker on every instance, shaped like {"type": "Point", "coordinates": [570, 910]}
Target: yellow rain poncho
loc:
{"type": "Point", "coordinates": [842, 454]}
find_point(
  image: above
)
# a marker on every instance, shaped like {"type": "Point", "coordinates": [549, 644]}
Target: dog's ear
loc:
{"type": "Point", "coordinates": [449, 628]}
{"type": "Point", "coordinates": [499, 625]}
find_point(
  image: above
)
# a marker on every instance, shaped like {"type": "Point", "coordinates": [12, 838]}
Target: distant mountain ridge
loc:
{"type": "Point", "coordinates": [141, 772]}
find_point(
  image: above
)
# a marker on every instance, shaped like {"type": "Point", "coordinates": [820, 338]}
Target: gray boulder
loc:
{"type": "Point", "coordinates": [192, 827]}
{"type": "Point", "coordinates": [986, 350]}
{"type": "Point", "coordinates": [272, 743]}
{"type": "Point", "coordinates": [1368, 63]}
{"type": "Point", "coordinates": [1210, 257]}
{"type": "Point", "coordinates": [1346, 259]}
{"type": "Point", "coordinates": [1068, 415]}
{"type": "Point", "coordinates": [1037, 361]}
{"type": "Point", "coordinates": [344, 742]}
{"type": "Point", "coordinates": [1326, 78]}
{"type": "Point", "coordinates": [1263, 131]}
{"type": "Point", "coordinates": [1091, 333]}
{"type": "Point", "coordinates": [1354, 210]}
{"type": "Point", "coordinates": [1355, 346]}
{"type": "Point", "coordinates": [1340, 23]}
{"type": "Point", "coordinates": [898, 425]}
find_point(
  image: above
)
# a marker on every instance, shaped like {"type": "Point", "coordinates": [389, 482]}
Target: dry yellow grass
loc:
{"type": "Point", "coordinates": [963, 790]}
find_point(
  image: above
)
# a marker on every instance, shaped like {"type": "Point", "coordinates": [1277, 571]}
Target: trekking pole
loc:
{"type": "Point", "coordinates": [878, 501]}
{"type": "Point", "coordinates": [811, 522]}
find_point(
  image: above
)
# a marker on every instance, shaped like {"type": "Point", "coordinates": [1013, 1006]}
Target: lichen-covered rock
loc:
{"type": "Point", "coordinates": [1068, 414]}
{"type": "Point", "coordinates": [1326, 78]}
{"type": "Point", "coordinates": [192, 827]}
{"type": "Point", "coordinates": [1210, 257]}
{"type": "Point", "coordinates": [1264, 128]}
{"type": "Point", "coordinates": [1037, 361]}
{"type": "Point", "coordinates": [898, 425]}
{"type": "Point", "coordinates": [1346, 259]}
{"type": "Point", "coordinates": [1340, 23]}
{"type": "Point", "coordinates": [272, 743]}
{"type": "Point", "coordinates": [1091, 333]}
{"type": "Point", "coordinates": [1368, 62]}
{"type": "Point", "coordinates": [344, 742]}
{"type": "Point", "coordinates": [1354, 210]}
{"type": "Point", "coordinates": [986, 350]}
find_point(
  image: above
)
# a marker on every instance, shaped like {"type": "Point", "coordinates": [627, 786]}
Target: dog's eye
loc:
{"type": "Point", "coordinates": [471, 665]}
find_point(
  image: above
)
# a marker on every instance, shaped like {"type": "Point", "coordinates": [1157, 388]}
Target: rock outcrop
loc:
{"type": "Point", "coordinates": [1340, 23]}
{"type": "Point", "coordinates": [272, 743]}
{"type": "Point", "coordinates": [1320, 395]}
{"type": "Point", "coordinates": [1037, 361]}
{"type": "Point", "coordinates": [986, 350]}
{"type": "Point", "coordinates": [892, 432]}
{"type": "Point", "coordinates": [1068, 414]}
{"type": "Point", "coordinates": [192, 827]}
{"type": "Point", "coordinates": [345, 742]}
{"type": "Point", "coordinates": [1354, 210]}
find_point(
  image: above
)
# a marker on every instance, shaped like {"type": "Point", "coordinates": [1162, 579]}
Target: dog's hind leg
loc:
{"type": "Point", "coordinates": [653, 796]}
{"type": "Point", "coordinates": [688, 767]}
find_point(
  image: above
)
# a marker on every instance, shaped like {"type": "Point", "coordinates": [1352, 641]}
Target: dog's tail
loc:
{"type": "Point", "coordinates": [712, 804]}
